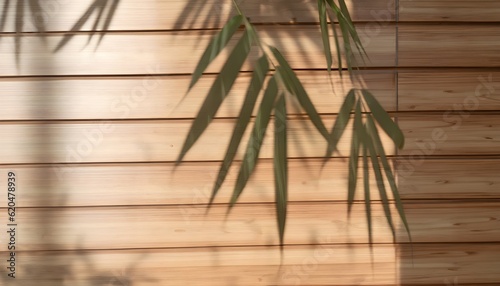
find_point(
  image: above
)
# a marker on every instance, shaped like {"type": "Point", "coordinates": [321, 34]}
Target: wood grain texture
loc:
{"type": "Point", "coordinates": [247, 224]}
{"type": "Point", "coordinates": [448, 179]}
{"type": "Point", "coordinates": [433, 264]}
{"type": "Point", "coordinates": [450, 134]}
{"type": "Point", "coordinates": [175, 52]}
{"type": "Point", "coordinates": [160, 96]}
{"type": "Point", "coordinates": [151, 183]}
{"type": "Point", "coordinates": [468, 91]}
{"type": "Point", "coordinates": [449, 10]}
{"type": "Point", "coordinates": [153, 140]}
{"type": "Point", "coordinates": [61, 15]}
{"type": "Point", "coordinates": [449, 45]}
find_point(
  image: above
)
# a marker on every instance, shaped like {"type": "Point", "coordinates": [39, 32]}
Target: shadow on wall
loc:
{"type": "Point", "coordinates": [33, 12]}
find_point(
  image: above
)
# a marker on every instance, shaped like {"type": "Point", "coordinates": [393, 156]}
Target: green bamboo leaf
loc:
{"type": "Point", "coordinates": [389, 174]}
{"type": "Point", "coordinates": [258, 76]}
{"type": "Point", "coordinates": [341, 122]}
{"type": "Point", "coordinates": [366, 180]}
{"type": "Point", "coordinates": [215, 46]}
{"type": "Point", "coordinates": [218, 92]}
{"type": "Point", "coordinates": [384, 120]}
{"type": "Point", "coordinates": [256, 138]}
{"type": "Point", "coordinates": [323, 23]}
{"type": "Point", "coordinates": [280, 164]}
{"type": "Point", "coordinates": [337, 45]}
{"type": "Point", "coordinates": [351, 27]}
{"type": "Point", "coordinates": [356, 143]}
{"type": "Point", "coordinates": [378, 177]}
{"type": "Point", "coordinates": [294, 86]}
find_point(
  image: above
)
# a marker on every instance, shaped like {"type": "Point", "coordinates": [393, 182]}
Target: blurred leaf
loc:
{"type": "Point", "coordinates": [378, 175]}
{"type": "Point", "coordinates": [337, 45]}
{"type": "Point", "coordinates": [294, 86]}
{"type": "Point", "coordinates": [384, 120]}
{"type": "Point", "coordinates": [366, 179]}
{"type": "Point", "coordinates": [341, 122]}
{"type": "Point", "coordinates": [256, 83]}
{"type": "Point", "coordinates": [218, 92]}
{"type": "Point", "coordinates": [255, 141]}
{"type": "Point", "coordinates": [356, 143]}
{"type": "Point", "coordinates": [280, 164]}
{"type": "Point", "coordinates": [389, 174]}
{"type": "Point", "coordinates": [323, 23]}
{"type": "Point", "coordinates": [215, 47]}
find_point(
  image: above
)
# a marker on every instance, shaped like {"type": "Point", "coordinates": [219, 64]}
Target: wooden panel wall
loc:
{"type": "Point", "coordinates": [92, 130]}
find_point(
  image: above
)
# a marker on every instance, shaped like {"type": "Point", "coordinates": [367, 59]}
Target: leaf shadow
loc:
{"type": "Point", "coordinates": [21, 19]}
{"type": "Point", "coordinates": [101, 24]}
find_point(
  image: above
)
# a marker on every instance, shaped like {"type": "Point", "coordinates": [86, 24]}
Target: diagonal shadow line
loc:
{"type": "Point", "coordinates": [98, 6]}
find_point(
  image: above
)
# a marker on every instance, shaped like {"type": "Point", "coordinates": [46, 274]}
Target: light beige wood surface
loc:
{"type": "Point", "coordinates": [450, 134]}
{"type": "Point", "coordinates": [151, 96]}
{"type": "Point", "coordinates": [469, 90]}
{"type": "Point", "coordinates": [247, 224]}
{"type": "Point", "coordinates": [449, 45]}
{"type": "Point", "coordinates": [61, 15]}
{"type": "Point", "coordinates": [431, 264]}
{"type": "Point", "coordinates": [449, 10]}
{"type": "Point", "coordinates": [153, 183]}
{"type": "Point", "coordinates": [145, 52]}
{"type": "Point", "coordinates": [153, 140]}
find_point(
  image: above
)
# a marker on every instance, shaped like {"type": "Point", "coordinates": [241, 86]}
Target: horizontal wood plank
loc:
{"type": "Point", "coordinates": [61, 15]}
{"type": "Point", "coordinates": [449, 45]}
{"type": "Point", "coordinates": [247, 224]}
{"type": "Point", "coordinates": [309, 180]}
{"type": "Point", "coordinates": [163, 96]}
{"type": "Point", "coordinates": [431, 264]}
{"type": "Point", "coordinates": [450, 134]}
{"type": "Point", "coordinates": [155, 140]}
{"type": "Point", "coordinates": [468, 91]}
{"type": "Point", "coordinates": [449, 10]}
{"type": "Point", "coordinates": [175, 52]}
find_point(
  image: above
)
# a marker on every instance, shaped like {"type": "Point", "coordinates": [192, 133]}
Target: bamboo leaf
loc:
{"type": "Point", "coordinates": [341, 122]}
{"type": "Point", "coordinates": [256, 83]}
{"type": "Point", "coordinates": [280, 164]}
{"type": "Point", "coordinates": [256, 138]}
{"type": "Point", "coordinates": [384, 120]}
{"type": "Point", "coordinates": [324, 33]}
{"type": "Point", "coordinates": [351, 28]}
{"type": "Point", "coordinates": [294, 86]}
{"type": "Point", "coordinates": [366, 180]}
{"type": "Point", "coordinates": [378, 177]}
{"type": "Point", "coordinates": [337, 45]}
{"type": "Point", "coordinates": [356, 143]}
{"type": "Point", "coordinates": [217, 93]}
{"type": "Point", "coordinates": [215, 47]}
{"type": "Point", "coordinates": [389, 174]}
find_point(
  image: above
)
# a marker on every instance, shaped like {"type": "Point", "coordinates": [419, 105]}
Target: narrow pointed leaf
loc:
{"type": "Point", "coordinates": [341, 122]}
{"type": "Point", "coordinates": [337, 45]}
{"type": "Point", "coordinates": [351, 27]}
{"type": "Point", "coordinates": [353, 160]}
{"type": "Point", "coordinates": [379, 178]}
{"type": "Point", "coordinates": [366, 180]}
{"type": "Point", "coordinates": [384, 120]}
{"type": "Point", "coordinates": [256, 83]}
{"type": "Point", "coordinates": [323, 23]}
{"type": "Point", "coordinates": [255, 141]}
{"type": "Point", "coordinates": [295, 87]}
{"type": "Point", "coordinates": [280, 164]}
{"type": "Point", "coordinates": [217, 93]}
{"type": "Point", "coordinates": [215, 46]}
{"type": "Point", "coordinates": [389, 174]}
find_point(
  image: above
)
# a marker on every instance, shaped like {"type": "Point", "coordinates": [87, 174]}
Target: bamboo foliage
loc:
{"type": "Point", "coordinates": [368, 113]}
